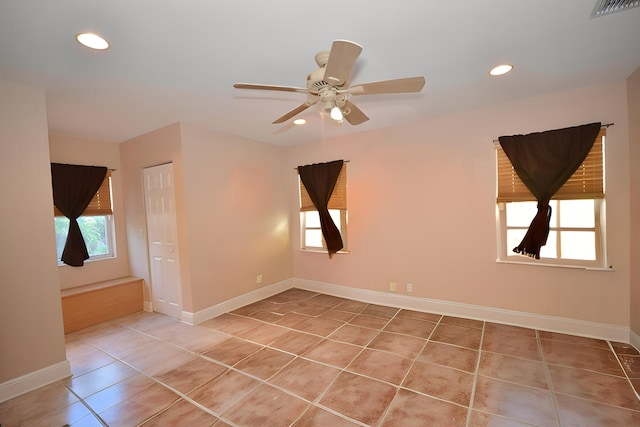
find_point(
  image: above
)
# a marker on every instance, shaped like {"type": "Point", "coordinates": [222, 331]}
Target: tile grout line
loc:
{"type": "Point", "coordinates": [475, 376]}
{"type": "Point", "coordinates": [344, 369]}
{"type": "Point", "coordinates": [95, 414]}
{"type": "Point", "coordinates": [262, 381]}
{"type": "Point", "coordinates": [413, 362]}
{"type": "Point", "coordinates": [547, 374]}
{"type": "Point", "coordinates": [157, 381]}
{"type": "Point", "coordinates": [316, 401]}
{"type": "Point", "coordinates": [626, 375]}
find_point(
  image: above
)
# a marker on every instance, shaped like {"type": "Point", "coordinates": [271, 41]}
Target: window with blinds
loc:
{"type": "Point", "coordinates": [310, 231]}
{"type": "Point", "coordinates": [96, 225]}
{"type": "Point", "coordinates": [338, 198]}
{"type": "Point", "coordinates": [101, 202]}
{"type": "Point", "coordinates": [576, 236]}
{"type": "Point", "coordinates": [587, 182]}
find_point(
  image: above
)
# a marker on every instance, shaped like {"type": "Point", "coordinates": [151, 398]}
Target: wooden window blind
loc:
{"type": "Point", "coordinates": [587, 182]}
{"type": "Point", "coordinates": [101, 202]}
{"type": "Point", "coordinates": [338, 198]}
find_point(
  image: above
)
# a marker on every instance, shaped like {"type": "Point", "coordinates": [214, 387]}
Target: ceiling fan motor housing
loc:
{"type": "Point", "coordinates": [315, 81]}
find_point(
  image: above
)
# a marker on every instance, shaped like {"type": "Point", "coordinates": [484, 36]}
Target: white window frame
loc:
{"type": "Point", "coordinates": [342, 226]}
{"type": "Point", "coordinates": [109, 232]}
{"type": "Point", "coordinates": [506, 254]}
{"type": "Point", "coordinates": [110, 237]}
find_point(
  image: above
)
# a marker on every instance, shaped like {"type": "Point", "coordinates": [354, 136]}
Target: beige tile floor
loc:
{"type": "Point", "coordinates": [306, 359]}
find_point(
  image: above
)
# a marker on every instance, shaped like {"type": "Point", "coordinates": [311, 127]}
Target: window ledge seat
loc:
{"type": "Point", "coordinates": [89, 305]}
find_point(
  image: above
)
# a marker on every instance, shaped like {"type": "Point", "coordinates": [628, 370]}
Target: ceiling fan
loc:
{"type": "Point", "coordinates": [330, 85]}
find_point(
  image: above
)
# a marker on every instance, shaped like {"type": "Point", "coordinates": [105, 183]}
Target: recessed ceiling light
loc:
{"type": "Point", "coordinates": [299, 121]}
{"type": "Point", "coordinates": [93, 41]}
{"type": "Point", "coordinates": [501, 69]}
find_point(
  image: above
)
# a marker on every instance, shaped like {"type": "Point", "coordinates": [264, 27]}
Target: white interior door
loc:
{"type": "Point", "coordinates": [162, 239]}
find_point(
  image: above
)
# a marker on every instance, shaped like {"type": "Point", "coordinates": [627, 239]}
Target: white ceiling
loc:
{"type": "Point", "coordinates": [175, 61]}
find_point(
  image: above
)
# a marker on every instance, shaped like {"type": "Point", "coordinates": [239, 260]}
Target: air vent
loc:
{"type": "Point", "coordinates": [315, 87]}
{"type": "Point", "coordinates": [607, 7]}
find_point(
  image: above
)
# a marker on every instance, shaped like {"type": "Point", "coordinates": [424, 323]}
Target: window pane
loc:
{"type": "Point", "coordinates": [578, 245]}
{"type": "Point", "coordinates": [94, 230]}
{"type": "Point", "coordinates": [62, 228]}
{"type": "Point", "coordinates": [550, 250]}
{"type": "Point", "coordinates": [577, 213]}
{"type": "Point", "coordinates": [312, 219]}
{"type": "Point", "coordinates": [520, 214]}
{"type": "Point", "coordinates": [313, 238]}
{"type": "Point", "coordinates": [515, 236]}
{"type": "Point", "coordinates": [335, 216]}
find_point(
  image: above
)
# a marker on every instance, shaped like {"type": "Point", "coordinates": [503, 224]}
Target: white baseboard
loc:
{"type": "Point", "coordinates": [235, 303]}
{"type": "Point", "coordinates": [529, 320]}
{"type": "Point", "coordinates": [33, 380]}
{"type": "Point", "coordinates": [634, 339]}
{"type": "Point", "coordinates": [564, 325]}
{"type": "Point", "coordinates": [147, 306]}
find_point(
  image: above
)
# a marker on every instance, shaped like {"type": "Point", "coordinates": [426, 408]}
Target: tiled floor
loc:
{"type": "Point", "coordinates": [306, 359]}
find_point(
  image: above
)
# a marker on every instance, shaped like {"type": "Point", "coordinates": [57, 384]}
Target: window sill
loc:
{"type": "Point", "coordinates": [88, 261]}
{"type": "Point", "coordinates": [542, 264]}
{"type": "Point", "coordinates": [322, 251]}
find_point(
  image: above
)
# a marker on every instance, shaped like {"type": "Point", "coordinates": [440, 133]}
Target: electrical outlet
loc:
{"type": "Point", "coordinates": [409, 287]}
{"type": "Point", "coordinates": [259, 278]}
{"type": "Point", "coordinates": [392, 286]}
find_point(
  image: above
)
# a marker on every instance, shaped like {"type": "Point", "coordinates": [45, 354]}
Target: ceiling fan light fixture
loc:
{"type": "Point", "coordinates": [92, 41]}
{"type": "Point", "coordinates": [501, 69]}
{"type": "Point", "coordinates": [336, 114]}
{"type": "Point", "coordinates": [330, 85]}
{"type": "Point", "coordinates": [299, 122]}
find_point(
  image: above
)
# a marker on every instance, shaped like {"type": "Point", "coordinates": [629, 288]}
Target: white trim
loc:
{"type": "Point", "coordinates": [33, 380]}
{"type": "Point", "coordinates": [563, 325]}
{"type": "Point", "coordinates": [517, 318]}
{"type": "Point", "coordinates": [236, 302]}
{"type": "Point", "coordinates": [67, 292]}
{"type": "Point", "coordinates": [634, 339]}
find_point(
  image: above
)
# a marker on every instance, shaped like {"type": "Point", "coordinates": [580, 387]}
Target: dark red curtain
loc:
{"type": "Point", "coordinates": [73, 188]}
{"type": "Point", "coordinates": [544, 161]}
{"type": "Point", "coordinates": [320, 179]}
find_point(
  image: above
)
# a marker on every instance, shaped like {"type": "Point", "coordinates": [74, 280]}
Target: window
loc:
{"type": "Point", "coordinates": [310, 233]}
{"type": "Point", "coordinates": [96, 225]}
{"type": "Point", "coordinates": [576, 229]}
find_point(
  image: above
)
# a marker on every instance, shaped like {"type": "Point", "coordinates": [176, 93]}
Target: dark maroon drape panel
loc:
{"type": "Point", "coordinates": [319, 179]}
{"type": "Point", "coordinates": [544, 161]}
{"type": "Point", "coordinates": [73, 188]}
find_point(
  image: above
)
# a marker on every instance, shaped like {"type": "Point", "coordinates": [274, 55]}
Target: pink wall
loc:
{"type": "Point", "coordinates": [231, 210]}
{"type": "Point", "coordinates": [406, 224]}
{"type": "Point", "coordinates": [633, 99]}
{"type": "Point", "coordinates": [237, 211]}
{"type": "Point", "coordinates": [67, 149]}
{"type": "Point", "coordinates": [31, 332]}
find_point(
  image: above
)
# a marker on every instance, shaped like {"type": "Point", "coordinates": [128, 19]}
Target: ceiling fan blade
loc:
{"type": "Point", "coordinates": [406, 85]}
{"type": "Point", "coordinates": [355, 116]}
{"type": "Point", "coordinates": [342, 58]}
{"type": "Point", "coordinates": [270, 87]}
{"type": "Point", "coordinates": [292, 113]}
